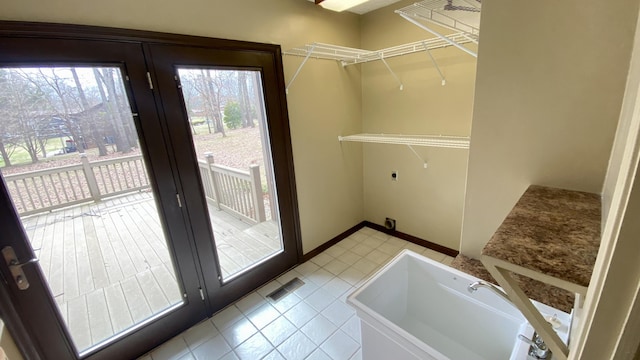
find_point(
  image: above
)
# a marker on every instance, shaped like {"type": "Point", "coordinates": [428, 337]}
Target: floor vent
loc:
{"type": "Point", "coordinates": [285, 289]}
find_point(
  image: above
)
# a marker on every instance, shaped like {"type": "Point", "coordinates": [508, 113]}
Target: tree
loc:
{"type": "Point", "coordinates": [107, 89]}
{"type": "Point", "coordinates": [90, 124]}
{"type": "Point", "coordinates": [232, 115]}
{"type": "Point", "coordinates": [22, 105]}
{"type": "Point", "coordinates": [245, 102]}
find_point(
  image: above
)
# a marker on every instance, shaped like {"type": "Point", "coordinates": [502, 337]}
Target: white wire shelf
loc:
{"type": "Point", "coordinates": [351, 56]}
{"type": "Point", "coordinates": [456, 15]}
{"type": "Point", "coordinates": [443, 141]}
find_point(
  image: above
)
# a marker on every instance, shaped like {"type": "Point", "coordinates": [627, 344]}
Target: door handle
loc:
{"type": "Point", "coordinates": [15, 267]}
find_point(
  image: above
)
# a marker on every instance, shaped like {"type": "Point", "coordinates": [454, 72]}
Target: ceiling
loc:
{"type": "Point", "coordinates": [369, 6]}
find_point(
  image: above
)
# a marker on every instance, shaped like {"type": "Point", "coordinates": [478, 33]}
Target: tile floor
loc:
{"type": "Point", "coordinates": [312, 323]}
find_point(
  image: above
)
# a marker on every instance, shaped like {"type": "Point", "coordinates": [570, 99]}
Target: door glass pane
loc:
{"type": "Point", "coordinates": [227, 118]}
{"type": "Point", "coordinates": [72, 161]}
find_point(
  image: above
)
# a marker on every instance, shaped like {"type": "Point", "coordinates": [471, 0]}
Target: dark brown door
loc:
{"type": "Point", "coordinates": [115, 270]}
{"type": "Point", "coordinates": [227, 119]}
{"type": "Point", "coordinates": [143, 186]}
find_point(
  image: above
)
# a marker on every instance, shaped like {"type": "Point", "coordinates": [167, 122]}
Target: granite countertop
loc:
{"type": "Point", "coordinates": [552, 231]}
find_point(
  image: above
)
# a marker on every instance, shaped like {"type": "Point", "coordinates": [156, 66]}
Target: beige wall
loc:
{"type": "Point", "coordinates": [324, 101]}
{"type": "Point", "coordinates": [616, 280]}
{"type": "Point", "coordinates": [549, 88]}
{"type": "Point", "coordinates": [426, 203]}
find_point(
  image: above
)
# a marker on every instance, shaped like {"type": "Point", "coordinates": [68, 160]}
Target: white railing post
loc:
{"type": "Point", "coordinates": [256, 190]}
{"type": "Point", "coordinates": [94, 190]}
{"type": "Point", "coordinates": [212, 178]}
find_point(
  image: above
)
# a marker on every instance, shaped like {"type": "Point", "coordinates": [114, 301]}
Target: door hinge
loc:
{"type": "Point", "coordinates": [126, 77]}
{"type": "Point", "coordinates": [201, 294]}
{"type": "Point", "coordinates": [149, 79]}
{"type": "Point", "coordinates": [178, 81]}
{"type": "Point", "coordinates": [179, 201]}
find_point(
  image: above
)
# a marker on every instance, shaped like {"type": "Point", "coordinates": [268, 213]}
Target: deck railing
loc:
{"type": "Point", "coordinates": [233, 190]}
{"type": "Point", "coordinates": [44, 190]}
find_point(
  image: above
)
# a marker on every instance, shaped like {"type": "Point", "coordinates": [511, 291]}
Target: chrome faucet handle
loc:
{"type": "Point", "coordinates": [538, 348]}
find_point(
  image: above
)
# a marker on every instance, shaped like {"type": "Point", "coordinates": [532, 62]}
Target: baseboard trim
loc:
{"type": "Point", "coordinates": [330, 243]}
{"type": "Point", "coordinates": [416, 240]}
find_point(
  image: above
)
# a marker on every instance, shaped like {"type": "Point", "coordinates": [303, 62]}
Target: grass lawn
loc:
{"type": "Point", "coordinates": [20, 156]}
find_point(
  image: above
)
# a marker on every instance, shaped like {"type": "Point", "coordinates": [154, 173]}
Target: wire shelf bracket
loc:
{"type": "Point", "coordinates": [351, 56]}
{"type": "Point", "coordinates": [441, 141]}
{"type": "Point", "coordinates": [462, 16]}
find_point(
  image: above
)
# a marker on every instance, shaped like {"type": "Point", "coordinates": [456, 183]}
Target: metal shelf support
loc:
{"type": "Point", "coordinates": [300, 68]}
{"type": "Point", "coordinates": [444, 81]}
{"type": "Point", "coordinates": [391, 71]}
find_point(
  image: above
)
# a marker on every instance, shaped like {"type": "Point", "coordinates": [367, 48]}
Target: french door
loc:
{"type": "Point", "coordinates": [145, 184]}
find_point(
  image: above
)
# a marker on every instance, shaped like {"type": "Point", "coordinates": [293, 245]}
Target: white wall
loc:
{"type": "Point", "coordinates": [549, 89]}
{"type": "Point", "coordinates": [324, 101]}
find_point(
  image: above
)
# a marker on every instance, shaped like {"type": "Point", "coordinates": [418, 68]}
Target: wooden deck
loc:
{"type": "Point", "coordinates": [108, 265]}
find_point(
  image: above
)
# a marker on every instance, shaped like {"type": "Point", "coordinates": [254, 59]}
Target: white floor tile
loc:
{"type": "Point", "coordinates": [263, 315]}
{"type": "Point", "coordinates": [380, 235]}
{"type": "Point", "coordinates": [296, 347]}
{"type": "Point", "coordinates": [256, 347]}
{"type": "Point", "coordinates": [389, 248]}
{"type": "Point", "coordinates": [200, 333]}
{"type": "Point", "coordinates": [239, 332]}
{"type": "Point", "coordinates": [336, 266]}
{"type": "Point", "coordinates": [230, 356]}
{"type": "Point", "coordinates": [340, 346]}
{"type": "Point", "coordinates": [173, 349]}
{"type": "Point", "coordinates": [300, 314]}
{"type": "Point", "coordinates": [349, 243]}
{"type": "Point", "coordinates": [269, 288]}
{"type": "Point", "coordinates": [307, 268]}
{"type": "Point", "coordinates": [320, 299]}
{"type": "Point", "coordinates": [227, 317]}
{"type": "Point", "coordinates": [362, 249]}
{"type": "Point", "coordinates": [313, 323]}
{"type": "Point", "coordinates": [363, 233]}
{"type": "Point", "coordinates": [335, 250]}
{"type": "Point", "coordinates": [364, 265]}
{"type": "Point", "coordinates": [319, 329]}
{"type": "Point", "coordinates": [274, 355]}
{"type": "Point", "coordinates": [307, 289]}
{"type": "Point", "coordinates": [321, 259]}
{"type": "Point", "coordinates": [349, 257]}
{"type": "Point", "coordinates": [336, 287]}
{"type": "Point", "coordinates": [378, 257]}
{"type": "Point", "coordinates": [374, 242]}
{"type": "Point", "coordinates": [250, 302]}
{"type": "Point", "coordinates": [284, 304]}
{"type": "Point", "coordinates": [318, 355]}
{"type": "Point", "coordinates": [352, 328]}
{"type": "Point", "coordinates": [279, 330]}
{"type": "Point", "coordinates": [213, 349]}
{"type": "Point", "coordinates": [447, 260]}
{"type": "Point", "coordinates": [338, 312]}
{"type": "Point", "coordinates": [357, 355]}
{"type": "Point", "coordinates": [352, 276]}
{"type": "Point", "coordinates": [320, 277]}
{"type": "Point", "coordinates": [288, 276]}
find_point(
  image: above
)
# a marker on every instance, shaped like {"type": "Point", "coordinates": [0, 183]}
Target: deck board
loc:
{"type": "Point", "coordinates": [108, 264]}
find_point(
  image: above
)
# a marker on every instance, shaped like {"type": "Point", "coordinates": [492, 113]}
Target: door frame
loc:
{"type": "Point", "coordinates": [11, 310]}
{"type": "Point", "coordinates": [166, 59]}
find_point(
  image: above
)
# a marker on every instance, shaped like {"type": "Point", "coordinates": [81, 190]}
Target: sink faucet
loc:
{"type": "Point", "coordinates": [473, 287]}
{"type": "Point", "coordinates": [538, 349]}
